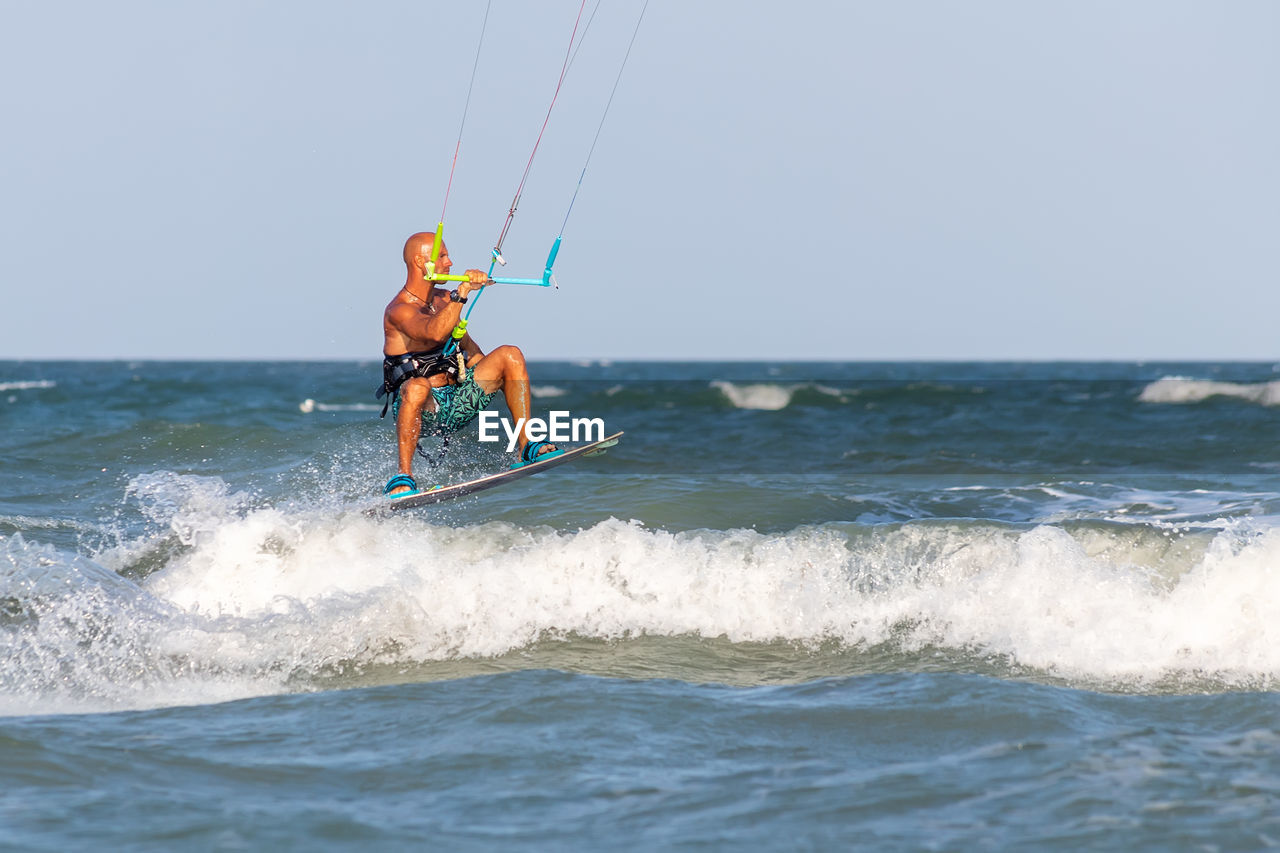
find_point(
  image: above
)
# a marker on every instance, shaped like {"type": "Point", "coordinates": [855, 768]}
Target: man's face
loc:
{"type": "Point", "coordinates": [443, 263]}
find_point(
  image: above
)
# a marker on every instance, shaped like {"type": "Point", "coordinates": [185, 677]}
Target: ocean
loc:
{"type": "Point", "coordinates": [800, 606]}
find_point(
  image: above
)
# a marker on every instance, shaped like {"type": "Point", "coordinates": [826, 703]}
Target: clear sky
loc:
{"type": "Point", "coordinates": [828, 180]}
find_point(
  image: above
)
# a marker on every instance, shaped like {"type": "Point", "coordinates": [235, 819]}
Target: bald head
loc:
{"type": "Point", "coordinates": [417, 247]}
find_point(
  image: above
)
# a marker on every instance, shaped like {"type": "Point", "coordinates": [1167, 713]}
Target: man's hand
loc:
{"type": "Point", "coordinates": [477, 281]}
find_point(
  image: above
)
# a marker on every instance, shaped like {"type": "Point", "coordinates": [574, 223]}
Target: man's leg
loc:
{"type": "Point", "coordinates": [413, 396]}
{"type": "Point", "coordinates": [504, 369]}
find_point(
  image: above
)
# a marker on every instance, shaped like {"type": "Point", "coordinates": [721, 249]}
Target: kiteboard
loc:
{"type": "Point", "coordinates": [439, 494]}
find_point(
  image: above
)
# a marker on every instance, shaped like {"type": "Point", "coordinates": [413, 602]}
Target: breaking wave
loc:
{"type": "Point", "coordinates": [223, 599]}
{"type": "Point", "coordinates": [1178, 389]}
{"type": "Point", "coordinates": [27, 384]}
{"type": "Point", "coordinates": [768, 396]}
{"type": "Point", "coordinates": [309, 405]}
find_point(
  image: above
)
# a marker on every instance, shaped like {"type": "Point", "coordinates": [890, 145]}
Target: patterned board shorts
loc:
{"type": "Point", "coordinates": [456, 405]}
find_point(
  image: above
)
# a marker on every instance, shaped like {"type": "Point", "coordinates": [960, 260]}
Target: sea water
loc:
{"type": "Point", "coordinates": [800, 606]}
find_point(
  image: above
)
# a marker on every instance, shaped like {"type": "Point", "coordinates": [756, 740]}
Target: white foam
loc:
{"type": "Point", "coordinates": [1084, 499]}
{"type": "Point", "coordinates": [1180, 389]}
{"type": "Point", "coordinates": [258, 599]}
{"type": "Point", "coordinates": [1042, 598]}
{"type": "Point", "coordinates": [765, 396]}
{"type": "Point", "coordinates": [309, 405]}
{"type": "Point", "coordinates": [27, 384]}
{"type": "Point", "coordinates": [80, 637]}
{"type": "Point", "coordinates": [545, 391]}
{"type": "Point", "coordinates": [770, 396]}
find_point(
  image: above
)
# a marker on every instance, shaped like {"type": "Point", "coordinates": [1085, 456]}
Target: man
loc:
{"type": "Point", "coordinates": [430, 389]}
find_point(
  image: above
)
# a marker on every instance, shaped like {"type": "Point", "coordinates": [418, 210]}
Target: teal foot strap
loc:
{"type": "Point", "coordinates": [531, 454]}
{"type": "Point", "coordinates": [401, 480]}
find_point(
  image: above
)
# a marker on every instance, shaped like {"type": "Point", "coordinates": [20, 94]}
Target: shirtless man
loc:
{"type": "Point", "coordinates": [428, 388]}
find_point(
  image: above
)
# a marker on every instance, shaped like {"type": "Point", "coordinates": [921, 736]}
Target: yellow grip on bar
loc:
{"type": "Point", "coordinates": [435, 255]}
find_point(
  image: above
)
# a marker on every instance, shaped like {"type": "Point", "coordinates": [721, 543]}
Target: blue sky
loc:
{"type": "Point", "coordinates": [1088, 180]}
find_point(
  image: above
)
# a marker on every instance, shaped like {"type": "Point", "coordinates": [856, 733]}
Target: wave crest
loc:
{"type": "Point", "coordinates": [768, 396]}
{"type": "Point", "coordinates": [243, 600]}
{"type": "Point", "coordinates": [1178, 389]}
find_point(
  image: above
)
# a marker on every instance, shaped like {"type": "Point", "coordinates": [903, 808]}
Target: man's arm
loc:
{"type": "Point", "coordinates": [417, 325]}
{"type": "Point", "coordinates": [436, 328]}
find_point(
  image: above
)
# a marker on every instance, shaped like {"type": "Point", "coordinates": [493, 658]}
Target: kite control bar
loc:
{"type": "Point", "coordinates": [548, 278]}
{"type": "Point", "coordinates": [459, 331]}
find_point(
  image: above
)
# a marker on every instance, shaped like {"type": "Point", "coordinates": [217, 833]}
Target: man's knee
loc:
{"type": "Point", "coordinates": [511, 355]}
{"type": "Point", "coordinates": [414, 393]}
{"type": "Point", "coordinates": [503, 364]}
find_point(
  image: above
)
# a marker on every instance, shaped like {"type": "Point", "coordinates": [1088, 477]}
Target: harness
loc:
{"type": "Point", "coordinates": [397, 369]}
